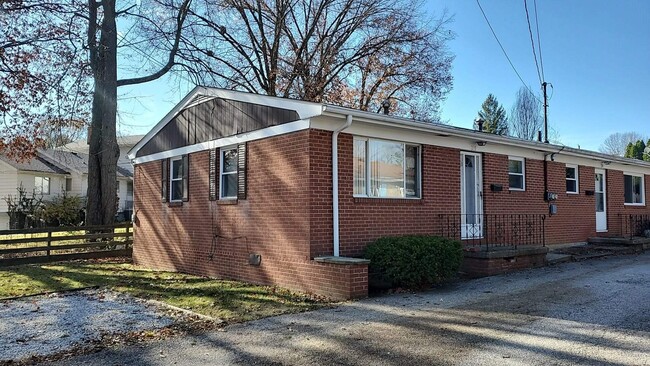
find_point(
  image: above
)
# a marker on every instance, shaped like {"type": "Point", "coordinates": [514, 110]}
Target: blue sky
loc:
{"type": "Point", "coordinates": [595, 53]}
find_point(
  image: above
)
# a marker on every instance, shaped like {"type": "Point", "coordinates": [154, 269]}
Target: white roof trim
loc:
{"type": "Point", "coordinates": [227, 141]}
{"type": "Point", "coordinates": [387, 120]}
{"type": "Point", "coordinates": [307, 110]}
{"type": "Point", "coordinates": [304, 109]}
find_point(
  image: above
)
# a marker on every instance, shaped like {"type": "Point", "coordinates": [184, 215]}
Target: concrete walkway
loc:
{"type": "Point", "coordinates": [589, 313]}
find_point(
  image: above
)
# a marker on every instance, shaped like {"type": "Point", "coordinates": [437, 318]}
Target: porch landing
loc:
{"type": "Point", "coordinates": [479, 262]}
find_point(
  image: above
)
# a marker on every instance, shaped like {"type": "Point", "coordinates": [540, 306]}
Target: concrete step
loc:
{"type": "Point", "coordinates": [555, 258]}
{"type": "Point", "coordinates": [643, 242]}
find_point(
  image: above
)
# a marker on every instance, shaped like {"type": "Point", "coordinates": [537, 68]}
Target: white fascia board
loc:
{"type": "Point", "coordinates": [168, 117]}
{"type": "Point", "coordinates": [473, 136]}
{"type": "Point", "coordinates": [304, 109]}
{"type": "Point", "coordinates": [227, 141]}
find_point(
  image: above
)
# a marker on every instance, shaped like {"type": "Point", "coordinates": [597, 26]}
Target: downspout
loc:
{"type": "Point", "coordinates": [335, 181]}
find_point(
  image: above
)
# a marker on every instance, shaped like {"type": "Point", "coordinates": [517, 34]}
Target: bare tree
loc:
{"type": "Point", "coordinates": [43, 72]}
{"type": "Point", "coordinates": [616, 143]}
{"type": "Point", "coordinates": [526, 115]}
{"type": "Point", "coordinates": [351, 52]}
{"type": "Point", "coordinates": [83, 58]}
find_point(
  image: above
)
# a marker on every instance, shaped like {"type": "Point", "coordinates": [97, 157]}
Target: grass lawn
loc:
{"type": "Point", "coordinates": [231, 301]}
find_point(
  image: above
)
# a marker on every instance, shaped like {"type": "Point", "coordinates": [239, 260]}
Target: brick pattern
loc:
{"type": "Point", "coordinates": [477, 267]}
{"type": "Point", "coordinates": [363, 220]}
{"type": "Point", "coordinates": [273, 222]}
{"type": "Point", "coordinates": [616, 209]}
{"type": "Point", "coordinates": [287, 216]}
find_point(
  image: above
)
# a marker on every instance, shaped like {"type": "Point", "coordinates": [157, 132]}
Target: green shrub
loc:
{"type": "Point", "coordinates": [413, 261]}
{"type": "Point", "coordinates": [63, 210]}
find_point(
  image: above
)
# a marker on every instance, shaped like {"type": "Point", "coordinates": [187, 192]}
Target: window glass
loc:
{"type": "Point", "coordinates": [633, 189]}
{"type": "Point", "coordinates": [516, 173]}
{"type": "Point", "coordinates": [68, 184]}
{"type": "Point", "coordinates": [176, 180]}
{"type": "Point", "coordinates": [359, 156]}
{"type": "Point", "coordinates": [411, 171]}
{"type": "Point", "coordinates": [42, 185]}
{"type": "Point", "coordinates": [571, 179]}
{"type": "Point", "coordinates": [229, 177]}
{"type": "Point", "coordinates": [230, 161]}
{"type": "Point", "coordinates": [386, 169]}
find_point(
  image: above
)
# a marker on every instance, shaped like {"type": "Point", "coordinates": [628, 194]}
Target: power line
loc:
{"type": "Point", "coordinates": [539, 44]}
{"type": "Point", "coordinates": [504, 51]}
{"type": "Point", "coordinates": [532, 42]}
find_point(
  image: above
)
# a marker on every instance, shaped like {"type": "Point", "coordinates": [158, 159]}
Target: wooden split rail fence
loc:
{"type": "Point", "coordinates": [52, 244]}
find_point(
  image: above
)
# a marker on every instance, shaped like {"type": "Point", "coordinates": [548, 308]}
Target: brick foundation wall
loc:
{"type": "Point", "coordinates": [477, 267]}
{"type": "Point", "coordinates": [274, 222]}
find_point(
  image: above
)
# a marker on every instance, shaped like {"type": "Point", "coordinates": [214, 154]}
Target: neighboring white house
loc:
{"type": "Point", "coordinates": [52, 172]}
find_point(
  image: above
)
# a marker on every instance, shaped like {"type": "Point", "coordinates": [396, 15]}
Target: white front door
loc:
{"type": "Point", "coordinates": [471, 196]}
{"type": "Point", "coordinates": [601, 201]}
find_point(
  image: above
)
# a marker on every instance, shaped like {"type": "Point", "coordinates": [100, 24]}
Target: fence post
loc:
{"type": "Point", "coordinates": [49, 242]}
{"type": "Point", "coordinates": [129, 235]}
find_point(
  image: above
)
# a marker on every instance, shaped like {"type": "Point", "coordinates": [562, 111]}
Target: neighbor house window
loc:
{"type": "Point", "coordinates": [228, 173]}
{"type": "Point", "coordinates": [634, 189]}
{"type": "Point", "coordinates": [386, 169]}
{"type": "Point", "coordinates": [42, 185]}
{"type": "Point", "coordinates": [68, 184]}
{"type": "Point", "coordinates": [176, 179]}
{"type": "Point", "coordinates": [572, 179]}
{"type": "Point", "coordinates": [516, 174]}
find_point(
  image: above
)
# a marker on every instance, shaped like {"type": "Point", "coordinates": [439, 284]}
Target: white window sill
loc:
{"type": "Point", "coordinates": [635, 204]}
{"type": "Point", "coordinates": [387, 198]}
{"type": "Point", "coordinates": [573, 193]}
{"type": "Point", "coordinates": [517, 189]}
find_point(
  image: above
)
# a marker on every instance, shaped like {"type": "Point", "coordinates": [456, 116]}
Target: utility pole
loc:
{"type": "Point", "coordinates": [545, 113]}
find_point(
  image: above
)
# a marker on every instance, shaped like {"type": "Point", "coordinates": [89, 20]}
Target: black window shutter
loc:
{"type": "Point", "coordinates": [164, 183]}
{"type": "Point", "coordinates": [186, 178]}
{"type": "Point", "coordinates": [212, 175]}
{"type": "Point", "coordinates": [241, 171]}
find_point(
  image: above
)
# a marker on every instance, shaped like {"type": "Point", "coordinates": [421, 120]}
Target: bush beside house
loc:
{"type": "Point", "coordinates": [413, 261]}
{"type": "Point", "coordinates": [31, 210]}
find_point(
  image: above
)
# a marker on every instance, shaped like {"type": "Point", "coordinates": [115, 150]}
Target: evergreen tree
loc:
{"type": "Point", "coordinates": [494, 116]}
{"type": "Point", "coordinates": [636, 150]}
{"type": "Point", "coordinates": [646, 152]}
{"type": "Point", "coordinates": [629, 150]}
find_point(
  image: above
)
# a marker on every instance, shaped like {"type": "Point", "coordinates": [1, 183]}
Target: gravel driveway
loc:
{"type": "Point", "coordinates": [589, 313]}
{"type": "Point", "coordinates": [43, 325]}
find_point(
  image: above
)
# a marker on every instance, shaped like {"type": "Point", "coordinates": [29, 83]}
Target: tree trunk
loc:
{"type": "Point", "coordinates": [103, 149]}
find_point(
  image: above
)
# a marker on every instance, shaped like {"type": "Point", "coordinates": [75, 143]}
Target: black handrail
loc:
{"type": "Point", "coordinates": [489, 231]}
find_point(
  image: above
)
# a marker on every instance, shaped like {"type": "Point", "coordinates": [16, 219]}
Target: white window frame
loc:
{"type": "Point", "coordinates": [638, 175]}
{"type": "Point", "coordinates": [573, 166]}
{"type": "Point", "coordinates": [522, 174]}
{"type": "Point", "coordinates": [221, 172]}
{"type": "Point", "coordinates": [367, 168]}
{"type": "Point", "coordinates": [172, 179]}
{"type": "Point", "coordinates": [43, 179]}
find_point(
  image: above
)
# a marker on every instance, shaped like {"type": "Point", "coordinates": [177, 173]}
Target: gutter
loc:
{"type": "Point", "coordinates": [335, 182]}
{"type": "Point", "coordinates": [393, 121]}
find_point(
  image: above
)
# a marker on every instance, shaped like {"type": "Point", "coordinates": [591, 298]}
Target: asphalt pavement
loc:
{"type": "Point", "coordinates": [594, 312]}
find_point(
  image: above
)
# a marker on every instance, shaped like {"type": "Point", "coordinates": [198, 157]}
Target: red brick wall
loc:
{"type": "Point", "coordinates": [575, 220]}
{"type": "Point", "coordinates": [363, 220]}
{"type": "Point", "coordinates": [273, 221]}
{"type": "Point", "coordinates": [616, 210]}
{"type": "Point", "coordinates": [287, 216]}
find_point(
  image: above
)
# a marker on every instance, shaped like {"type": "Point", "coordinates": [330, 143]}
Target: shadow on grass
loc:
{"type": "Point", "coordinates": [231, 301]}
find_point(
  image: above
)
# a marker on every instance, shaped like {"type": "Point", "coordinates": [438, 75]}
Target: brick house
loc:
{"type": "Point", "coordinates": [242, 186]}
